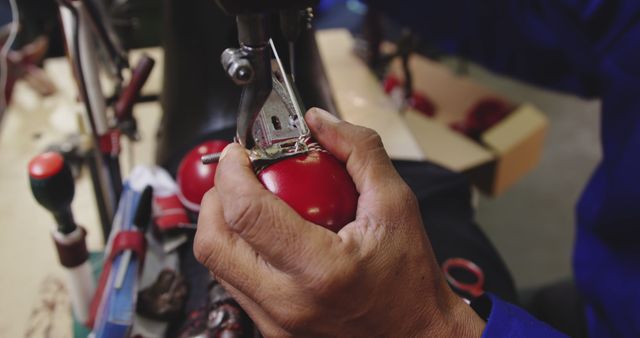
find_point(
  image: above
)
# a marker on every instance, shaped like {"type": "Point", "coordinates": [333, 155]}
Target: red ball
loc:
{"type": "Point", "coordinates": [316, 185]}
{"type": "Point", "coordinates": [194, 178]}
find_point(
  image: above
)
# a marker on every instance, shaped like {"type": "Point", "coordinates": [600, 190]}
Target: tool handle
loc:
{"type": "Point", "coordinates": [81, 289]}
{"type": "Point", "coordinates": [71, 248]}
{"type": "Point", "coordinates": [74, 257]}
{"type": "Point", "coordinates": [139, 77]}
{"type": "Point", "coordinates": [53, 187]}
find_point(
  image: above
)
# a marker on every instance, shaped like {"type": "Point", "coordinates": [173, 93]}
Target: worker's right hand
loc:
{"type": "Point", "coordinates": [375, 277]}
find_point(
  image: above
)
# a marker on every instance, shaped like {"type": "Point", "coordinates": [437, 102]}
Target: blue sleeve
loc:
{"type": "Point", "coordinates": [606, 257]}
{"type": "Point", "coordinates": [589, 48]}
{"type": "Point", "coordinates": [507, 320]}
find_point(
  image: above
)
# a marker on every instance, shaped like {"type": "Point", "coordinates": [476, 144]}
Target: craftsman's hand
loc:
{"type": "Point", "coordinates": [376, 277]}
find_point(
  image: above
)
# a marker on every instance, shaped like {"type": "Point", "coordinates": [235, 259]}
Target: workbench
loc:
{"type": "Point", "coordinates": [32, 281]}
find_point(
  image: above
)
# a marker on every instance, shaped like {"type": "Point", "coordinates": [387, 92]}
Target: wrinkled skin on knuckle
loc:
{"type": "Point", "coordinates": [269, 332]}
{"type": "Point", "coordinates": [370, 143]}
{"type": "Point", "coordinates": [203, 252]}
{"type": "Point", "coordinates": [369, 139]}
{"type": "Point", "coordinates": [333, 282]}
{"type": "Point", "coordinates": [369, 158]}
{"type": "Point", "coordinates": [294, 319]}
{"type": "Point", "coordinates": [325, 285]}
{"type": "Point", "coordinates": [342, 127]}
{"type": "Point", "coordinates": [399, 205]}
{"type": "Point", "coordinates": [407, 199]}
{"type": "Point", "coordinates": [244, 214]}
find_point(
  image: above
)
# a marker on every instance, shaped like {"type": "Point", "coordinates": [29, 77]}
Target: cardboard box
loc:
{"type": "Point", "coordinates": [505, 153]}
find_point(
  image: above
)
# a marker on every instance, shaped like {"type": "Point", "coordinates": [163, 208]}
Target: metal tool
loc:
{"type": "Point", "coordinates": [292, 23]}
{"type": "Point", "coordinates": [53, 187]}
{"type": "Point", "coordinates": [210, 158]}
{"type": "Point", "coordinates": [117, 59]}
{"type": "Point", "coordinates": [464, 276]}
{"type": "Point", "coordinates": [272, 128]}
{"type": "Point", "coordinates": [87, 31]}
{"type": "Point", "coordinates": [77, 26]}
{"type": "Point", "coordinates": [124, 105]}
{"type": "Point", "coordinates": [270, 117]}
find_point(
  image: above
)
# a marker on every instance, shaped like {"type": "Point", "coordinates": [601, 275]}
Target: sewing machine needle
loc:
{"type": "Point", "coordinates": [292, 61]}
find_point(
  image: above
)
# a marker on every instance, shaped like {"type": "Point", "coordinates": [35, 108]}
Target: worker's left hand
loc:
{"type": "Point", "coordinates": [375, 277]}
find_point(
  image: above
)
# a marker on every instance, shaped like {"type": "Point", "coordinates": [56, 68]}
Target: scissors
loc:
{"type": "Point", "coordinates": [457, 270]}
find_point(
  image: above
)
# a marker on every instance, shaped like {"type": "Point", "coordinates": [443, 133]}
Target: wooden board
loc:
{"type": "Point", "coordinates": [360, 98]}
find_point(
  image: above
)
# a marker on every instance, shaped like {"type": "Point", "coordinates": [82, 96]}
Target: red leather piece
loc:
{"type": "Point", "coordinates": [171, 213]}
{"type": "Point", "coordinates": [129, 240]}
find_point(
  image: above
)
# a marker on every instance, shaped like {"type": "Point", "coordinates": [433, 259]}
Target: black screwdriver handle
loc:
{"type": "Point", "coordinates": [53, 187]}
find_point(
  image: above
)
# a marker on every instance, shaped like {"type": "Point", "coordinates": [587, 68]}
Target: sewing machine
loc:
{"type": "Point", "coordinates": [200, 99]}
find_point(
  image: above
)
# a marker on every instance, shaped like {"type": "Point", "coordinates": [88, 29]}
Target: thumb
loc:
{"type": "Point", "coordinates": [360, 148]}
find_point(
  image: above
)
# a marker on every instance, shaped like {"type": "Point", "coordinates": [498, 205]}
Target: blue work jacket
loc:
{"type": "Point", "coordinates": [590, 48]}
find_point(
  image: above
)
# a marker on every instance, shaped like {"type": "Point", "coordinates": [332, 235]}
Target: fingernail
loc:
{"type": "Point", "coordinates": [324, 115]}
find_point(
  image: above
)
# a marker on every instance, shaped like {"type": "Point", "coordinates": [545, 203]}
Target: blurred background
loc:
{"type": "Point", "coordinates": [531, 221]}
